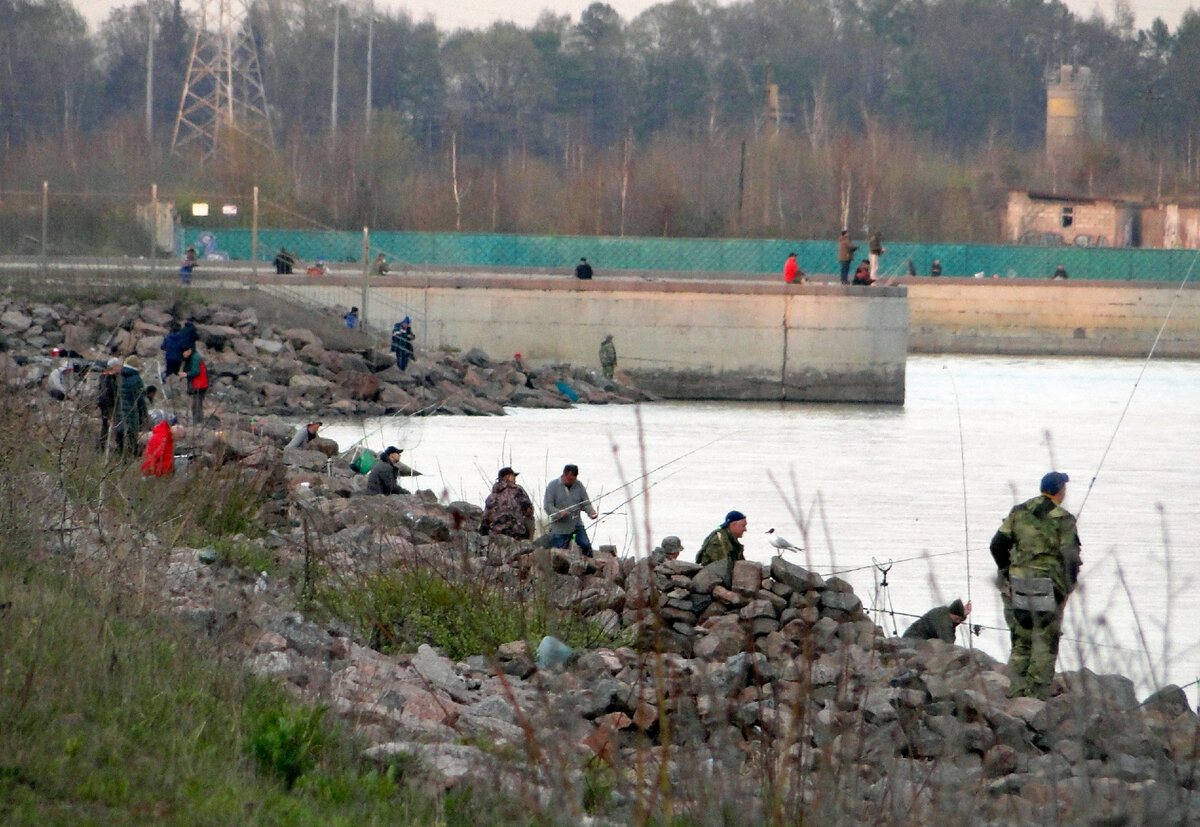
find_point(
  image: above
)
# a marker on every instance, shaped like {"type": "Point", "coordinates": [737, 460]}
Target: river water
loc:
{"type": "Point", "coordinates": [923, 486]}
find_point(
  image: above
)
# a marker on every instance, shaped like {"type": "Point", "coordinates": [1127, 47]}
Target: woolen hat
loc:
{"type": "Point", "coordinates": [957, 609]}
{"type": "Point", "coordinates": [733, 517]}
{"type": "Point", "coordinates": [1053, 482]}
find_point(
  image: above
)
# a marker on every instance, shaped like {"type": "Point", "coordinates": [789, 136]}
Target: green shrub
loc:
{"type": "Point", "coordinates": [285, 740]}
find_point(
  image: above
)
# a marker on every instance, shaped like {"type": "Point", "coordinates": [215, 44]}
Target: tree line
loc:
{"type": "Point", "coordinates": [914, 115]}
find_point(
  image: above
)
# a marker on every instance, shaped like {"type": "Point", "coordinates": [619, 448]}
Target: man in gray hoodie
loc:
{"type": "Point", "coordinates": [565, 499]}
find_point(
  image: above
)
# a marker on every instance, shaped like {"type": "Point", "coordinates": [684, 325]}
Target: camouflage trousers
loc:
{"type": "Point", "coordinates": [1034, 652]}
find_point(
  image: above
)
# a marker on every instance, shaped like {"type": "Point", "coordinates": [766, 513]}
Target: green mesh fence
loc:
{"type": "Point", "coordinates": [704, 255]}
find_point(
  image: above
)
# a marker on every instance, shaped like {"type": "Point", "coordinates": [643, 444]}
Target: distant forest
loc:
{"type": "Point", "coordinates": [910, 115]}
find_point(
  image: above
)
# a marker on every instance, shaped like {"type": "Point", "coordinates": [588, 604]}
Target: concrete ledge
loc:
{"type": "Point", "coordinates": [677, 339]}
{"type": "Point", "coordinates": [1092, 318]}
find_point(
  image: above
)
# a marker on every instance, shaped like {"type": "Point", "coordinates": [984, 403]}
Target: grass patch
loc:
{"type": "Point", "coordinates": [462, 616]}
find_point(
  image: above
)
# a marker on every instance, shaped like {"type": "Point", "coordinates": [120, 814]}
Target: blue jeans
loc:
{"type": "Point", "coordinates": [579, 535]}
{"type": "Point", "coordinates": [845, 271]}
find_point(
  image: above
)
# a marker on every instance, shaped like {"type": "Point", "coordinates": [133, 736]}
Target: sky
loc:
{"type": "Point", "coordinates": [475, 14]}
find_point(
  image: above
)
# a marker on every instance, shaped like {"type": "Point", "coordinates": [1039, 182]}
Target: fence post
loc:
{"type": "Point", "coordinates": [45, 225]}
{"type": "Point", "coordinates": [254, 239]}
{"type": "Point", "coordinates": [366, 253]}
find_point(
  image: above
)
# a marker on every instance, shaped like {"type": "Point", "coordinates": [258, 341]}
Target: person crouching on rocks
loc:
{"type": "Point", "coordinates": [723, 543]}
{"type": "Point", "coordinates": [669, 550]}
{"type": "Point", "coordinates": [382, 478]}
{"type": "Point", "coordinates": [939, 622]}
{"type": "Point", "coordinates": [508, 509]}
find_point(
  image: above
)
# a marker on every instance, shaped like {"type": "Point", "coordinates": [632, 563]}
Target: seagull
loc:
{"type": "Point", "coordinates": [780, 543]}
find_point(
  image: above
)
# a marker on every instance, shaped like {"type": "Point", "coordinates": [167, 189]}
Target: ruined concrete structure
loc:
{"type": "Point", "coordinates": [1074, 112]}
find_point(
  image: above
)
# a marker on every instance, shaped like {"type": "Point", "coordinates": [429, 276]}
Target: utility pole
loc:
{"type": "Point", "coordinates": [370, 60]}
{"type": "Point", "coordinates": [337, 41]}
{"type": "Point", "coordinates": [223, 97]}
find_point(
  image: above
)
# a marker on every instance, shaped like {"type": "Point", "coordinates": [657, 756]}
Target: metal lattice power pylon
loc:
{"type": "Point", "coordinates": [223, 101]}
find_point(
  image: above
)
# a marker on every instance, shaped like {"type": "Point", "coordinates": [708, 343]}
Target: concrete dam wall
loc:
{"type": "Point", "coordinates": [677, 339]}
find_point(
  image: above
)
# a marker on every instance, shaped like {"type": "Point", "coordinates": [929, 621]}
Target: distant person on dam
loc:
{"type": "Point", "coordinates": [608, 356]}
{"type": "Point", "coordinates": [583, 270]}
{"type": "Point", "coordinates": [935, 269]}
{"type": "Point", "coordinates": [862, 274]}
{"type": "Point", "coordinates": [875, 250]}
{"type": "Point", "coordinates": [845, 255]}
{"type": "Point", "coordinates": [792, 274]}
{"type": "Point", "coordinates": [1060, 273]}
{"type": "Point", "coordinates": [1037, 554]}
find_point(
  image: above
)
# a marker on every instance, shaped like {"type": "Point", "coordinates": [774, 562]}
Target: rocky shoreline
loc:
{"type": "Point", "coordinates": [745, 694]}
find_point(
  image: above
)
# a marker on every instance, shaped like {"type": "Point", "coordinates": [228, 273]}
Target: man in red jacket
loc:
{"type": "Point", "coordinates": [792, 273]}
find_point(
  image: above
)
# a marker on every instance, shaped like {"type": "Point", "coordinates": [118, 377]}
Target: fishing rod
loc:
{"type": "Point", "coordinates": [594, 500]}
{"type": "Point", "coordinates": [1133, 390]}
{"type": "Point", "coordinates": [962, 458]}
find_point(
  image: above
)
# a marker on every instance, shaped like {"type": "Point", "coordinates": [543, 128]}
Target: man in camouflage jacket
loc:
{"type": "Point", "coordinates": [1037, 553]}
{"type": "Point", "coordinates": [508, 509]}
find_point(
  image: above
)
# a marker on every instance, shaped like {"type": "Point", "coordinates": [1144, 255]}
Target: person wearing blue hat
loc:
{"type": "Point", "coordinates": [402, 342]}
{"type": "Point", "coordinates": [1037, 554]}
{"type": "Point", "coordinates": [724, 542]}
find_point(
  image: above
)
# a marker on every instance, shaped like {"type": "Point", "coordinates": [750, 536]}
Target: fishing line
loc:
{"type": "Point", "coordinates": [1133, 390]}
{"type": "Point", "coordinates": [962, 458]}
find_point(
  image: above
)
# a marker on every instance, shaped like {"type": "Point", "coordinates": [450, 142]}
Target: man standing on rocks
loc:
{"type": "Point", "coordinates": [723, 543]}
{"type": "Point", "coordinates": [608, 356]}
{"type": "Point", "coordinates": [508, 509]}
{"type": "Point", "coordinates": [402, 342]}
{"type": "Point", "coordinates": [939, 622]}
{"type": "Point", "coordinates": [1037, 552]}
{"type": "Point", "coordinates": [565, 499]}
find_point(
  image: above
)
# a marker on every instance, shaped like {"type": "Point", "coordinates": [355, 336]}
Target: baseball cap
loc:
{"type": "Point", "coordinates": [1053, 482]}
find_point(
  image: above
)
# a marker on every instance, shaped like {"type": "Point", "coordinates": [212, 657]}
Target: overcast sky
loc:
{"type": "Point", "coordinates": [481, 13]}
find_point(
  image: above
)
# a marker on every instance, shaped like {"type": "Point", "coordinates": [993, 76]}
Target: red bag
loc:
{"type": "Point", "coordinates": [159, 459]}
{"type": "Point", "coordinates": [200, 380]}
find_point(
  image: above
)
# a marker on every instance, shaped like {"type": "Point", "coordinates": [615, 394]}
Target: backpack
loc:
{"type": "Point", "coordinates": [199, 382]}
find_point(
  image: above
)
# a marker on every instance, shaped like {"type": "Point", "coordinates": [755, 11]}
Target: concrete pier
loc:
{"type": "Point", "coordinates": [677, 339]}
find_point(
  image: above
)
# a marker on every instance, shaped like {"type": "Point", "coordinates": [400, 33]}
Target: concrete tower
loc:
{"type": "Point", "coordinates": [1074, 112]}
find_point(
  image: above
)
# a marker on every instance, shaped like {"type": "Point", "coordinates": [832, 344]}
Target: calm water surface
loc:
{"type": "Point", "coordinates": [923, 486]}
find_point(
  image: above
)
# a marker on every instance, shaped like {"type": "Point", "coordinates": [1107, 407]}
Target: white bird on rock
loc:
{"type": "Point", "coordinates": [780, 543]}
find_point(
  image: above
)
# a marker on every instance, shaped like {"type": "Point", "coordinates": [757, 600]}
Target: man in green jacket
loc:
{"type": "Point", "coordinates": [608, 356]}
{"type": "Point", "coordinates": [939, 622]}
{"type": "Point", "coordinates": [1037, 553]}
{"type": "Point", "coordinates": [722, 543]}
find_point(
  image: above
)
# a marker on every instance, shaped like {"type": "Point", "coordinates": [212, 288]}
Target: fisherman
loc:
{"type": "Point", "coordinates": [792, 274]}
{"type": "Point", "coordinates": [608, 356]}
{"type": "Point", "coordinates": [565, 499]}
{"type": "Point", "coordinates": [722, 543]}
{"type": "Point", "coordinates": [875, 250]}
{"type": "Point", "coordinates": [305, 434]}
{"type": "Point", "coordinates": [508, 509]}
{"type": "Point", "coordinates": [845, 255]}
{"type": "Point", "coordinates": [583, 270]}
{"type": "Point", "coordinates": [402, 342]}
{"type": "Point", "coordinates": [1037, 553]}
{"type": "Point", "coordinates": [381, 479]}
{"type": "Point", "coordinates": [939, 622]}
{"type": "Point", "coordinates": [670, 549]}
{"type": "Point", "coordinates": [130, 412]}
{"type": "Point", "coordinates": [351, 318]}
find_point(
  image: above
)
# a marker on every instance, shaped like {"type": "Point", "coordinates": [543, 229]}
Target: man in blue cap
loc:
{"type": "Point", "coordinates": [722, 543]}
{"type": "Point", "coordinates": [1037, 553]}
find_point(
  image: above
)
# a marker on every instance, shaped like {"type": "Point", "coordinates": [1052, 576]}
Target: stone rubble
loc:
{"type": "Point", "coordinates": [763, 687]}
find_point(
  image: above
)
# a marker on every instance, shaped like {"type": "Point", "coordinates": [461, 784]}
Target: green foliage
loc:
{"type": "Point", "coordinates": [462, 616]}
{"type": "Point", "coordinates": [285, 741]}
{"type": "Point", "coordinates": [245, 555]}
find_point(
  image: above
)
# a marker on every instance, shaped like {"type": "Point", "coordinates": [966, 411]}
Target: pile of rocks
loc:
{"type": "Point", "coordinates": [732, 675]}
{"type": "Point", "coordinates": [258, 368]}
